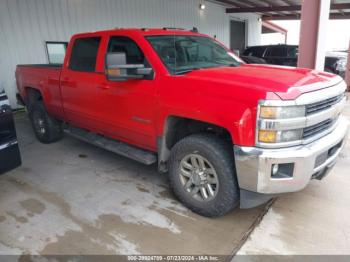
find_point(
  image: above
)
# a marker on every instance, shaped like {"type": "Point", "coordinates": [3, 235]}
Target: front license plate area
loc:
{"type": "Point", "coordinates": [322, 158]}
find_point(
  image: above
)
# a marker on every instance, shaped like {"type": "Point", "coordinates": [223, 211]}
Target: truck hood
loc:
{"type": "Point", "coordinates": [286, 82]}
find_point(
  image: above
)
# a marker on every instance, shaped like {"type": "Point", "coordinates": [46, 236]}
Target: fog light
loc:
{"type": "Point", "coordinates": [274, 169]}
{"type": "Point", "coordinates": [284, 170]}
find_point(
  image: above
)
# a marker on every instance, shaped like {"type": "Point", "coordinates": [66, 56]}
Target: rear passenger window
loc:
{"type": "Point", "coordinates": [255, 51]}
{"type": "Point", "coordinates": [259, 52]}
{"type": "Point", "coordinates": [84, 54]}
{"type": "Point", "coordinates": [248, 52]}
{"type": "Point", "coordinates": [277, 52]}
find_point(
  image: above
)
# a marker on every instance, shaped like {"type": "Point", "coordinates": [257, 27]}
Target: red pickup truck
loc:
{"type": "Point", "coordinates": [227, 133]}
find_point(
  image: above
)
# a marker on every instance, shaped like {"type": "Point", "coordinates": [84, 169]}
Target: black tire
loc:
{"type": "Point", "coordinates": [46, 129]}
{"type": "Point", "coordinates": [219, 155]}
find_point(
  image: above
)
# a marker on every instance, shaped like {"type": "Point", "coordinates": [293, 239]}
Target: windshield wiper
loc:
{"type": "Point", "coordinates": [229, 65]}
{"type": "Point", "coordinates": [234, 65]}
{"type": "Point", "coordinates": [182, 72]}
{"type": "Point", "coordinates": [185, 71]}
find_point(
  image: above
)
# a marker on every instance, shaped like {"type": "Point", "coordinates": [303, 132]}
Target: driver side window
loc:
{"type": "Point", "coordinates": [123, 44]}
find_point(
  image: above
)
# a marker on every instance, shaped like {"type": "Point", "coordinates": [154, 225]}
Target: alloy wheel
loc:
{"type": "Point", "coordinates": [198, 177]}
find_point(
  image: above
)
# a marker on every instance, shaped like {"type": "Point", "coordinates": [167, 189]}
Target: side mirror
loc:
{"type": "Point", "coordinates": [118, 70]}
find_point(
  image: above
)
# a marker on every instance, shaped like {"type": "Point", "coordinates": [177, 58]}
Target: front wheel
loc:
{"type": "Point", "coordinates": [202, 175]}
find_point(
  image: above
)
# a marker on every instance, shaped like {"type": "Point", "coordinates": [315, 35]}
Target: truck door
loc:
{"type": "Point", "coordinates": [79, 81]}
{"type": "Point", "coordinates": [127, 108]}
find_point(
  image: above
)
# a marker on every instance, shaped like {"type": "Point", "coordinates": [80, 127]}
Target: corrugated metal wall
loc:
{"type": "Point", "coordinates": [25, 25]}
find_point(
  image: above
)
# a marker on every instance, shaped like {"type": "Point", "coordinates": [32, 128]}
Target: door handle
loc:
{"type": "Point", "coordinates": [65, 81]}
{"type": "Point", "coordinates": [68, 82]}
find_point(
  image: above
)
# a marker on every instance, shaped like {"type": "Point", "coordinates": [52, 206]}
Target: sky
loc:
{"type": "Point", "coordinates": [338, 34]}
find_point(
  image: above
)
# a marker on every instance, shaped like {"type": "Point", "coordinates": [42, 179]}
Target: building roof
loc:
{"type": "Point", "coordinates": [282, 9]}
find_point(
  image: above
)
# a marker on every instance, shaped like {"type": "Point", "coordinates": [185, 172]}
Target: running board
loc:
{"type": "Point", "coordinates": [138, 154]}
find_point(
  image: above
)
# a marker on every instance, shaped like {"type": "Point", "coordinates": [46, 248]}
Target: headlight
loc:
{"type": "Point", "coordinates": [275, 112]}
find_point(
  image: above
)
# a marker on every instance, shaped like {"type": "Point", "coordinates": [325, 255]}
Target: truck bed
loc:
{"type": "Point", "coordinates": [41, 65]}
{"type": "Point", "coordinates": [44, 77]}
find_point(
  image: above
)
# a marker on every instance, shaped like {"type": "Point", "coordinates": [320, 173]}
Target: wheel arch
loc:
{"type": "Point", "coordinates": [177, 128]}
{"type": "Point", "coordinates": [32, 95]}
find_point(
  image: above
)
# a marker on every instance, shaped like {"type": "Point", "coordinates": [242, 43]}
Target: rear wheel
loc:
{"type": "Point", "coordinates": [202, 175]}
{"type": "Point", "coordinates": [46, 129]}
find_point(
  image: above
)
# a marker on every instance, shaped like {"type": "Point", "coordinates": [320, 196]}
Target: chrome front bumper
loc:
{"type": "Point", "coordinates": [254, 165]}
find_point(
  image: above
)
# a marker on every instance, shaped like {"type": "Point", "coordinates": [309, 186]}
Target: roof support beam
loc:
{"type": "Point", "coordinates": [347, 73]}
{"type": "Point", "coordinates": [279, 8]}
{"type": "Point", "coordinates": [288, 2]}
{"type": "Point", "coordinates": [297, 16]}
{"type": "Point", "coordinates": [271, 3]}
{"type": "Point", "coordinates": [274, 27]}
{"type": "Point", "coordinates": [226, 2]}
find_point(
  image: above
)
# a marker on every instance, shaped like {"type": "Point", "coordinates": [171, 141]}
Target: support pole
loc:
{"type": "Point", "coordinates": [286, 38]}
{"type": "Point", "coordinates": [347, 72]}
{"type": "Point", "coordinates": [313, 32]}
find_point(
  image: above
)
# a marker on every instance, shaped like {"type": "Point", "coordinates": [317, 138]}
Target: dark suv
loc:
{"type": "Point", "coordinates": [9, 152]}
{"type": "Point", "coordinates": [287, 55]}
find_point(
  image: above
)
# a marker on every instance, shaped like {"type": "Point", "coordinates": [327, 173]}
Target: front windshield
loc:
{"type": "Point", "coordinates": [182, 54]}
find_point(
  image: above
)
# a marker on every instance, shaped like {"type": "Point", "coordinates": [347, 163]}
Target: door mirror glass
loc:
{"type": "Point", "coordinates": [117, 68]}
{"type": "Point", "coordinates": [56, 52]}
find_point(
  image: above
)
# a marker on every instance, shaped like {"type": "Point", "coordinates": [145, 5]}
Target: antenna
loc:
{"type": "Point", "coordinates": [172, 28]}
{"type": "Point", "coordinates": [194, 30]}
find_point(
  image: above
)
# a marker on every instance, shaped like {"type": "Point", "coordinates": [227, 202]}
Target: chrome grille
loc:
{"type": "Point", "coordinates": [318, 128]}
{"type": "Point", "coordinates": [322, 105]}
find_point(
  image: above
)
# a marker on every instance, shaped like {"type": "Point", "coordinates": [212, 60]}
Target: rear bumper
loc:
{"type": "Point", "coordinates": [314, 160]}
